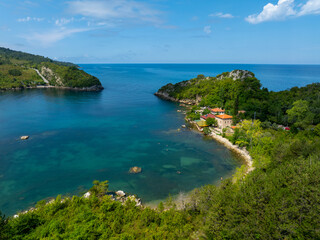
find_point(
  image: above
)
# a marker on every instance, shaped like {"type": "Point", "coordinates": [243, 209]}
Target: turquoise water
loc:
{"type": "Point", "coordinates": [77, 137]}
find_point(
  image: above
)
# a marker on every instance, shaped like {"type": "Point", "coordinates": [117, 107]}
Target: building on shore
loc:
{"type": "Point", "coordinates": [224, 121]}
{"type": "Point", "coordinates": [205, 117]}
{"type": "Point", "coordinates": [201, 123]}
{"type": "Point", "coordinates": [217, 111]}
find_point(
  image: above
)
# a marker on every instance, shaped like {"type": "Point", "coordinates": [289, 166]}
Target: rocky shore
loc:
{"type": "Point", "coordinates": [241, 152]}
{"type": "Point", "coordinates": [165, 96]}
{"type": "Point", "coordinates": [119, 196]}
{"type": "Point", "coordinates": [95, 88]}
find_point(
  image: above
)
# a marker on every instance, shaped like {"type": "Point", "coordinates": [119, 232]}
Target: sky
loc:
{"type": "Point", "coordinates": [164, 31]}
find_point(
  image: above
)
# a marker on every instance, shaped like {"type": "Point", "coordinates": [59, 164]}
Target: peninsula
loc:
{"type": "Point", "coordinates": [19, 70]}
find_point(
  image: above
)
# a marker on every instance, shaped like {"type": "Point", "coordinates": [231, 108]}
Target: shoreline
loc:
{"type": "Point", "coordinates": [241, 152]}
{"type": "Point", "coordinates": [94, 88]}
{"type": "Point", "coordinates": [166, 97]}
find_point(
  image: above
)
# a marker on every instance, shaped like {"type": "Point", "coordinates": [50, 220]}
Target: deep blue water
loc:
{"type": "Point", "coordinates": [77, 137]}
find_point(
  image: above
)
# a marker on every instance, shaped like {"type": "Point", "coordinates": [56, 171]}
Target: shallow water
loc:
{"type": "Point", "coordinates": [77, 137]}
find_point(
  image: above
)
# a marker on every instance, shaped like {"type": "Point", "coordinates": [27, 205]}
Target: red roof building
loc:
{"type": "Point", "coordinates": [205, 117]}
{"type": "Point", "coordinates": [217, 111]}
{"type": "Point", "coordinates": [224, 121]}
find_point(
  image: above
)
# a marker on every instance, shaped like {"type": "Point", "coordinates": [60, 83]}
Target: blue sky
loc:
{"type": "Point", "coordinates": [164, 31]}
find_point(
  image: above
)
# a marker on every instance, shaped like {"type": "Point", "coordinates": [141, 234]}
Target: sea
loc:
{"type": "Point", "coordinates": [79, 137]}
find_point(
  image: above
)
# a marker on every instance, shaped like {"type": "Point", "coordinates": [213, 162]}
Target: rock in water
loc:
{"type": "Point", "coordinates": [24, 137]}
{"type": "Point", "coordinates": [120, 193]}
{"type": "Point", "coordinates": [87, 195]}
{"type": "Point", "coordinates": [135, 170]}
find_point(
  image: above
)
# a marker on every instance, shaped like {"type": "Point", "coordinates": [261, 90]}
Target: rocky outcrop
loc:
{"type": "Point", "coordinates": [87, 195]}
{"type": "Point", "coordinates": [121, 197]}
{"type": "Point", "coordinates": [120, 193]}
{"type": "Point", "coordinates": [166, 96]}
{"type": "Point", "coordinates": [52, 78]}
{"type": "Point", "coordinates": [236, 74]}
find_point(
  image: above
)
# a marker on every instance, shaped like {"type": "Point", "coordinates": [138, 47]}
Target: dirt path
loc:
{"type": "Point", "coordinates": [43, 78]}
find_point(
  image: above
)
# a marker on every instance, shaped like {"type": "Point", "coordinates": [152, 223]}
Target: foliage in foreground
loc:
{"type": "Point", "coordinates": [97, 217]}
{"type": "Point", "coordinates": [279, 200]}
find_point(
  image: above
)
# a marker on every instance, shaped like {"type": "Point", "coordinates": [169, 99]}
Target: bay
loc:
{"type": "Point", "coordinates": [77, 137]}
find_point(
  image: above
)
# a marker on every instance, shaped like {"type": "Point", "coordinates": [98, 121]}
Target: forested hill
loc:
{"type": "Point", "coordinates": [23, 70]}
{"type": "Point", "coordinates": [241, 90]}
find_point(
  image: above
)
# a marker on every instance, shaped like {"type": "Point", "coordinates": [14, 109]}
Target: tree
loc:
{"type": "Point", "coordinates": [317, 130]}
{"type": "Point", "coordinates": [236, 106]}
{"type": "Point", "coordinates": [201, 76]}
{"type": "Point", "coordinates": [15, 72]}
{"type": "Point", "coordinates": [206, 131]}
{"type": "Point", "coordinates": [99, 189]}
{"type": "Point", "coordinates": [299, 115]}
{"type": "Point", "coordinates": [211, 121]}
{"type": "Point", "coordinates": [3, 226]}
{"type": "Point", "coordinates": [206, 111]}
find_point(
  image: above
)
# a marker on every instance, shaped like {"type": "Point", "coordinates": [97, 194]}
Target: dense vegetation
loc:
{"type": "Point", "coordinates": [68, 76]}
{"type": "Point", "coordinates": [12, 76]}
{"type": "Point", "coordinates": [243, 92]}
{"type": "Point", "coordinates": [21, 57]}
{"type": "Point", "coordinates": [280, 199]}
{"type": "Point", "coordinates": [17, 70]}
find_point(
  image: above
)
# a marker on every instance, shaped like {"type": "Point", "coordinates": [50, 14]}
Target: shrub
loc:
{"type": "Point", "coordinates": [15, 72]}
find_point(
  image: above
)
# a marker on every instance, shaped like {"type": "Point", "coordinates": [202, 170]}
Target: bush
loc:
{"type": "Point", "coordinates": [211, 121]}
{"type": "Point", "coordinates": [206, 130]}
{"type": "Point", "coordinates": [15, 72]}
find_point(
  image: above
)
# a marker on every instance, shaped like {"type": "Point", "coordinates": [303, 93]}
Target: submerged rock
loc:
{"type": "Point", "coordinates": [135, 170]}
{"type": "Point", "coordinates": [24, 137]}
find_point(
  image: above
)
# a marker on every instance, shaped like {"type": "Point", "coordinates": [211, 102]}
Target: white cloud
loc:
{"type": "Point", "coordinates": [207, 29]}
{"type": "Point", "coordinates": [28, 19]}
{"type": "Point", "coordinates": [285, 9]}
{"type": "Point", "coordinates": [311, 7]}
{"type": "Point", "coordinates": [63, 21]}
{"type": "Point", "coordinates": [114, 9]}
{"type": "Point", "coordinates": [50, 37]}
{"type": "Point", "coordinates": [271, 12]}
{"type": "Point", "coordinates": [221, 15]}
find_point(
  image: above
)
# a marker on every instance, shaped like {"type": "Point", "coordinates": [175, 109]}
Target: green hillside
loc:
{"type": "Point", "coordinates": [18, 70]}
{"type": "Point", "coordinates": [241, 90]}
